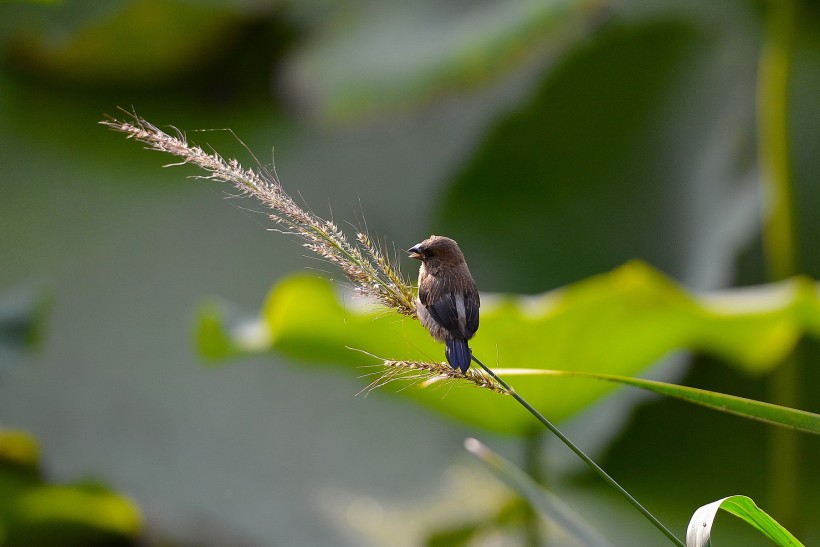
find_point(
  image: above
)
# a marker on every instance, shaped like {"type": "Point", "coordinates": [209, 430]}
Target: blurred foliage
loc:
{"type": "Point", "coordinates": [135, 42]}
{"type": "Point", "coordinates": [19, 450]}
{"type": "Point", "coordinates": [566, 185]}
{"type": "Point", "coordinates": [23, 315]}
{"type": "Point", "coordinates": [35, 512]}
{"type": "Point", "coordinates": [510, 524]}
{"type": "Point", "coordinates": [547, 504]}
{"type": "Point", "coordinates": [395, 56]}
{"type": "Point", "coordinates": [618, 323]}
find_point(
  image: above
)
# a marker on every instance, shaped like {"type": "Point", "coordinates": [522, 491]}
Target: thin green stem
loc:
{"type": "Point", "coordinates": [586, 459]}
{"type": "Point", "coordinates": [772, 110]}
{"type": "Point", "coordinates": [779, 237]}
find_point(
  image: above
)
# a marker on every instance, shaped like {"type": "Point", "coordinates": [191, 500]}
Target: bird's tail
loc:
{"type": "Point", "coordinates": [458, 353]}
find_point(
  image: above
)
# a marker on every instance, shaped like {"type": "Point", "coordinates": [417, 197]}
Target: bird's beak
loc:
{"type": "Point", "coordinates": [414, 251]}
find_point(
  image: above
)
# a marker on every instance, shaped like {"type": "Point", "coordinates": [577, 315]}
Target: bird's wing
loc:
{"type": "Point", "coordinates": [444, 311]}
{"type": "Point", "coordinates": [440, 305]}
{"type": "Point", "coordinates": [471, 304]}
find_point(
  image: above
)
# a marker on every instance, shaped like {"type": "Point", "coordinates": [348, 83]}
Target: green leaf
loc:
{"type": "Point", "coordinates": [19, 449]}
{"type": "Point", "coordinates": [543, 501]}
{"type": "Point", "coordinates": [33, 512]}
{"type": "Point", "coordinates": [454, 537]}
{"type": "Point", "coordinates": [699, 532]}
{"type": "Point", "coordinates": [617, 323]}
{"type": "Point", "coordinates": [44, 514]}
{"type": "Point", "coordinates": [808, 422]}
{"type": "Point", "coordinates": [393, 56]}
{"type": "Point", "coordinates": [213, 342]}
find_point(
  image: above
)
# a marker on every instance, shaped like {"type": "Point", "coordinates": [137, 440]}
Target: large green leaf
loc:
{"type": "Point", "coordinates": [699, 531]}
{"type": "Point", "coordinates": [616, 323]}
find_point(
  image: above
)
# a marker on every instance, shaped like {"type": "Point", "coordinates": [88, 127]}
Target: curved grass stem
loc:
{"type": "Point", "coordinates": [580, 453]}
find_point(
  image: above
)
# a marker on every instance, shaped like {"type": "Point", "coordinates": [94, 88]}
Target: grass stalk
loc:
{"type": "Point", "coordinates": [779, 239]}
{"type": "Point", "coordinates": [580, 453]}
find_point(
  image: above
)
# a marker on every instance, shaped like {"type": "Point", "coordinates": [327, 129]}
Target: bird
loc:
{"type": "Point", "coordinates": [448, 301]}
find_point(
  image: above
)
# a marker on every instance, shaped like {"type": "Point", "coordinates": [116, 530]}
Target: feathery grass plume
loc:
{"type": "Point", "coordinates": [363, 263]}
{"type": "Point", "coordinates": [426, 374]}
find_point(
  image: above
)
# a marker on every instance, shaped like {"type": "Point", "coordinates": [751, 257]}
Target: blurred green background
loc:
{"type": "Point", "coordinates": [554, 140]}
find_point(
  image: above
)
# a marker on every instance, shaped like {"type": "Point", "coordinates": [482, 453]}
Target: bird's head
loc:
{"type": "Point", "coordinates": [437, 251]}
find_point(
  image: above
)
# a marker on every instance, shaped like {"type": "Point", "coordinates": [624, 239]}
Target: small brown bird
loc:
{"type": "Point", "coordinates": [448, 299]}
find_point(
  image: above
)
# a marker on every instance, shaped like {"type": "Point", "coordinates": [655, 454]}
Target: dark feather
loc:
{"type": "Point", "coordinates": [445, 313]}
{"type": "Point", "coordinates": [471, 304]}
{"type": "Point", "coordinates": [458, 353]}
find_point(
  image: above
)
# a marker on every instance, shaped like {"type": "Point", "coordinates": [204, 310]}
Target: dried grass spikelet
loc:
{"type": "Point", "coordinates": [362, 262]}
{"type": "Point", "coordinates": [425, 374]}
